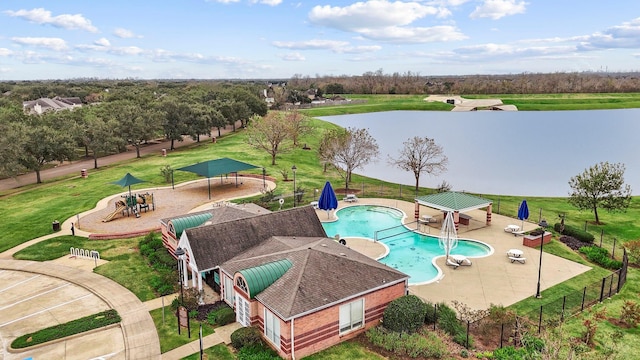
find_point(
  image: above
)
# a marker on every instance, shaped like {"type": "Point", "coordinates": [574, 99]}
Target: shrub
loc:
{"type": "Point", "coordinates": [630, 314]}
{"type": "Point", "coordinates": [257, 352]}
{"type": "Point", "coordinates": [633, 251]}
{"type": "Point", "coordinates": [245, 336]}
{"type": "Point", "coordinates": [573, 243]}
{"type": "Point", "coordinates": [511, 353]}
{"type": "Point", "coordinates": [601, 257]}
{"type": "Point", "coordinates": [424, 344]}
{"type": "Point", "coordinates": [448, 321]}
{"type": "Point", "coordinates": [576, 233]}
{"type": "Point", "coordinates": [405, 314]}
{"type": "Point", "coordinates": [432, 313]}
{"type": "Point", "coordinates": [221, 316]}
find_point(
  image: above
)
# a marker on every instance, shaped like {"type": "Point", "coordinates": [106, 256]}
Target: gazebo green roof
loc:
{"type": "Point", "coordinates": [453, 201]}
{"type": "Point", "coordinates": [186, 222]}
{"type": "Point", "coordinates": [261, 277]}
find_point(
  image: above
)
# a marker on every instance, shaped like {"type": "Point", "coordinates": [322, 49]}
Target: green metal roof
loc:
{"type": "Point", "coordinates": [187, 222]}
{"type": "Point", "coordinates": [213, 168]}
{"type": "Point", "coordinates": [261, 277]}
{"type": "Point", "coordinates": [453, 201]}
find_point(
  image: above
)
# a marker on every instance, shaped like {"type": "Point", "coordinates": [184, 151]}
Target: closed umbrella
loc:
{"type": "Point", "coordinates": [523, 212]}
{"type": "Point", "coordinates": [327, 200]}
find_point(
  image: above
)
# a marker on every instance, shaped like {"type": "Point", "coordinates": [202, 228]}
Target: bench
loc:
{"type": "Point", "coordinates": [521, 260]}
{"type": "Point", "coordinates": [464, 219]}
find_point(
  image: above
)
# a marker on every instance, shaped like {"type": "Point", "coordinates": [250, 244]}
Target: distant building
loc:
{"type": "Point", "coordinates": [42, 105]}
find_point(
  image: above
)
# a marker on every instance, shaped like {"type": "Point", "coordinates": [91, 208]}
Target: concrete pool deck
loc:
{"type": "Point", "coordinates": [489, 280]}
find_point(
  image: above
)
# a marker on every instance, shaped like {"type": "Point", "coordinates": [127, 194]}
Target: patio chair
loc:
{"type": "Point", "coordinates": [351, 198]}
{"type": "Point", "coordinates": [459, 260]}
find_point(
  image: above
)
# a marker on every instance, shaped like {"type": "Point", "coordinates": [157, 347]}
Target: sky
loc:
{"type": "Point", "coordinates": [279, 39]}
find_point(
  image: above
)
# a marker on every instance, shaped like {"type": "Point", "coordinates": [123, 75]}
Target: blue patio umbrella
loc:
{"type": "Point", "coordinates": [327, 200]}
{"type": "Point", "coordinates": [523, 212]}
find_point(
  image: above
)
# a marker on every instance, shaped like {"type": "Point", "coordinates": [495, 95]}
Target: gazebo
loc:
{"type": "Point", "coordinates": [456, 202]}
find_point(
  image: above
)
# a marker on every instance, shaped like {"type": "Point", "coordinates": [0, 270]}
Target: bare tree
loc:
{"type": "Point", "coordinates": [269, 133]}
{"type": "Point", "coordinates": [327, 147]}
{"type": "Point", "coordinates": [421, 155]}
{"type": "Point", "coordinates": [351, 150]}
{"type": "Point", "coordinates": [297, 125]}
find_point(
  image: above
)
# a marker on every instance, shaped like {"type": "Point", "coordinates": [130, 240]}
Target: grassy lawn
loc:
{"type": "Point", "coordinates": [168, 331]}
{"type": "Point", "coordinates": [217, 352]}
{"type": "Point", "coordinates": [34, 207]}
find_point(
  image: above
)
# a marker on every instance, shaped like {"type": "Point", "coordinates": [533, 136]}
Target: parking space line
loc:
{"type": "Point", "coordinates": [34, 296]}
{"type": "Point", "coordinates": [44, 310]}
{"type": "Point", "coordinates": [19, 283]}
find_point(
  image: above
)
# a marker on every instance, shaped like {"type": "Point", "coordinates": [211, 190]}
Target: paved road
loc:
{"type": "Point", "coordinates": [76, 166]}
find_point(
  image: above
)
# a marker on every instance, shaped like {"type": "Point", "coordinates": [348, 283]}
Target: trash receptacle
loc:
{"type": "Point", "coordinates": [56, 225]}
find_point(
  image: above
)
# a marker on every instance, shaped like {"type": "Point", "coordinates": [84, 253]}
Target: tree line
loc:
{"type": "Point", "coordinates": [116, 117]}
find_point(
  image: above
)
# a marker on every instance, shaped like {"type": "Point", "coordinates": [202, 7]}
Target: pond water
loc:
{"type": "Point", "coordinates": [532, 153]}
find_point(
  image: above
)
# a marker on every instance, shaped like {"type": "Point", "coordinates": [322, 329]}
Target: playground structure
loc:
{"type": "Point", "coordinates": [132, 204]}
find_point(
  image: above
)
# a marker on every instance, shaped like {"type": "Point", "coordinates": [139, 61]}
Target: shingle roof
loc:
{"type": "Point", "coordinates": [214, 244]}
{"type": "Point", "coordinates": [453, 201]}
{"type": "Point", "coordinates": [324, 272]}
{"type": "Point", "coordinates": [226, 213]}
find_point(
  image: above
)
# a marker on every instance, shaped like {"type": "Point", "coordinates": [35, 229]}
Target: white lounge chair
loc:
{"type": "Point", "coordinates": [458, 260]}
{"type": "Point", "coordinates": [512, 228]}
{"type": "Point", "coordinates": [351, 198]}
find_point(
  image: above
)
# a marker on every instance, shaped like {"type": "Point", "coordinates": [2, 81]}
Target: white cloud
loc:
{"type": "Point", "coordinates": [371, 14]}
{"type": "Point", "coordinates": [310, 44]}
{"type": "Point", "coordinates": [496, 9]}
{"type": "Point", "coordinates": [5, 52]}
{"type": "Point", "coordinates": [125, 34]}
{"type": "Point", "coordinates": [56, 44]}
{"type": "Point", "coordinates": [102, 42]}
{"type": "Point", "coordinates": [383, 20]}
{"type": "Point", "coordinates": [626, 35]}
{"type": "Point", "coordinates": [224, 1]}
{"type": "Point", "coordinates": [267, 2]}
{"type": "Point", "coordinates": [126, 50]}
{"type": "Point", "coordinates": [292, 57]}
{"type": "Point", "coordinates": [65, 21]}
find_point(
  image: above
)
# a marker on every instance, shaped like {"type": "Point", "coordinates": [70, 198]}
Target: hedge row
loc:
{"type": "Point", "coordinates": [601, 257]}
{"type": "Point", "coordinates": [575, 233]}
{"type": "Point", "coordinates": [60, 331]}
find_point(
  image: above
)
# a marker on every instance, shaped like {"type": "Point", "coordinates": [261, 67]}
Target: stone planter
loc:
{"type": "Point", "coordinates": [534, 241]}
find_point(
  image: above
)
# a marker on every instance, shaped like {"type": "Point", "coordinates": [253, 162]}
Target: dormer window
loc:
{"type": "Point", "coordinates": [241, 284]}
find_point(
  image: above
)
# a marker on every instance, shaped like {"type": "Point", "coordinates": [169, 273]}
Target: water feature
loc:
{"type": "Point", "coordinates": [532, 153]}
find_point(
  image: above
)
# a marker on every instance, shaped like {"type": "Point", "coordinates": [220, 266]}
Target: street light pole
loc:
{"type": "Point", "coordinates": [543, 224]}
{"type": "Point", "coordinates": [294, 168]}
{"type": "Point", "coordinates": [180, 254]}
{"type": "Point", "coordinates": [264, 183]}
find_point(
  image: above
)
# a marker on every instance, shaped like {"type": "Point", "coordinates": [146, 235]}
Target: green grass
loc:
{"type": "Point", "coordinates": [34, 207]}
{"type": "Point", "coordinates": [73, 327]}
{"type": "Point", "coordinates": [346, 350]}
{"type": "Point", "coordinates": [168, 331]}
{"type": "Point", "coordinates": [217, 352]}
{"type": "Point", "coordinates": [126, 266]}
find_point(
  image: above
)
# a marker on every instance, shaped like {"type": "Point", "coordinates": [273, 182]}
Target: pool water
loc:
{"type": "Point", "coordinates": [409, 252]}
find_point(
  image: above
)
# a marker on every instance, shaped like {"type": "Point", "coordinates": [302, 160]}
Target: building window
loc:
{"type": "Point", "coordinates": [242, 285]}
{"type": "Point", "coordinates": [351, 316]}
{"type": "Point", "coordinates": [228, 290]}
{"type": "Point", "coordinates": [272, 328]}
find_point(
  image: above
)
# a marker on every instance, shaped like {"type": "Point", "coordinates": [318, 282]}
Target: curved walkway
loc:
{"type": "Point", "coordinates": [138, 330]}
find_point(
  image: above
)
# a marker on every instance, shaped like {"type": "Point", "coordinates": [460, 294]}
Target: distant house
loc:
{"type": "Point", "coordinates": [280, 273]}
{"type": "Point", "coordinates": [42, 105]}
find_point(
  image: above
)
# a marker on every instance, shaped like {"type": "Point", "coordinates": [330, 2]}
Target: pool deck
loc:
{"type": "Point", "coordinates": [489, 280]}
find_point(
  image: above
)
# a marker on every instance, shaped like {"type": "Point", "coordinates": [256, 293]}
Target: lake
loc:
{"type": "Point", "coordinates": [526, 153]}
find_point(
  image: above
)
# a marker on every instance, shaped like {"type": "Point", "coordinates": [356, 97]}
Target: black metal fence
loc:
{"type": "Point", "coordinates": [507, 332]}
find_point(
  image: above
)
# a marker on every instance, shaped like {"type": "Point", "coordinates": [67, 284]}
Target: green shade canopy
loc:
{"type": "Point", "coordinates": [213, 168]}
{"type": "Point", "coordinates": [127, 181]}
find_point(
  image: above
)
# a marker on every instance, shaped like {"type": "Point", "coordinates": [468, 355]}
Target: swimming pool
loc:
{"type": "Point", "coordinates": [408, 251]}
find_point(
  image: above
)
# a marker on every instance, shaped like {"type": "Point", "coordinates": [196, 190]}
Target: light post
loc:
{"type": "Point", "coordinates": [264, 183]}
{"type": "Point", "coordinates": [180, 254]}
{"type": "Point", "coordinates": [543, 224]}
{"type": "Point", "coordinates": [294, 168]}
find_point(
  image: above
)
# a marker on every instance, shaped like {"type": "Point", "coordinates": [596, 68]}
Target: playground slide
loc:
{"type": "Point", "coordinates": [120, 206]}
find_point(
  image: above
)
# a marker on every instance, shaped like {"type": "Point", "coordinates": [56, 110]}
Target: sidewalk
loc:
{"type": "Point", "coordinates": [87, 163]}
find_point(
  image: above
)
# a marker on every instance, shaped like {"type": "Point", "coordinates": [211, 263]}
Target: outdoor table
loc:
{"type": "Point", "coordinates": [515, 253]}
